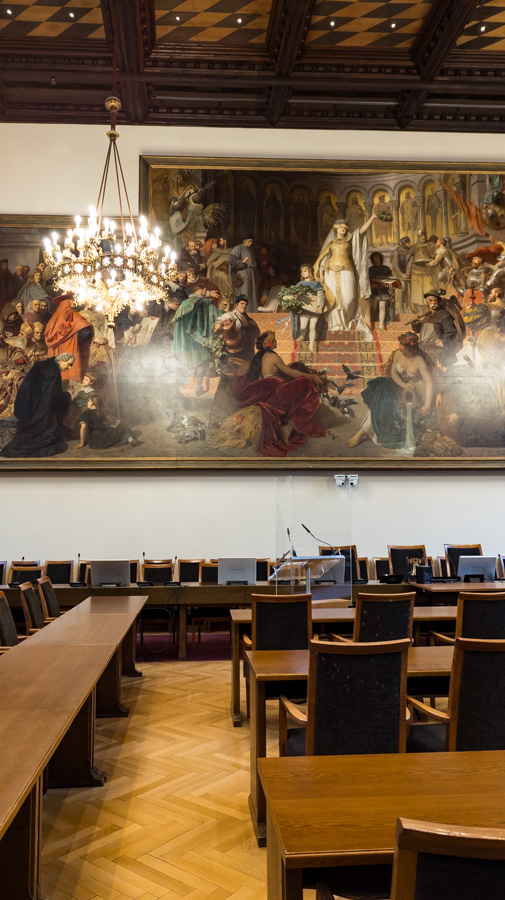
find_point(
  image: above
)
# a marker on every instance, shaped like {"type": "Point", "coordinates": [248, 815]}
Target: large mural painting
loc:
{"type": "Point", "coordinates": [317, 316]}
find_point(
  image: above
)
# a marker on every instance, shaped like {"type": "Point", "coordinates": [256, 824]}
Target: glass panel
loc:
{"type": "Point", "coordinates": [313, 542]}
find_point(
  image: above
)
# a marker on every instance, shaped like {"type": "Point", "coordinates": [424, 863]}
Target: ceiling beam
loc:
{"type": "Point", "coordinates": [444, 24]}
{"type": "Point", "coordinates": [135, 38]}
{"type": "Point", "coordinates": [289, 23]}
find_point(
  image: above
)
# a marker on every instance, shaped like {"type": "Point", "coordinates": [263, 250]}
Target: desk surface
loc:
{"type": "Point", "coordinates": [456, 586]}
{"type": "Point", "coordinates": [343, 809]}
{"type": "Point", "coordinates": [293, 665]}
{"type": "Point", "coordinates": [129, 605]}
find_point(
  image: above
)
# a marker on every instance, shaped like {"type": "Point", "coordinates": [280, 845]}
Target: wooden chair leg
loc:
{"type": "Point", "coordinates": [247, 699]}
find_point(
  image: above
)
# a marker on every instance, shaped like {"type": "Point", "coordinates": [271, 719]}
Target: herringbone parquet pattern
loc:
{"type": "Point", "coordinates": [172, 821]}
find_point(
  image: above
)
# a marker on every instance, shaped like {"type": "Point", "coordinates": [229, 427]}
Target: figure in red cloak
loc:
{"type": "Point", "coordinates": [69, 332]}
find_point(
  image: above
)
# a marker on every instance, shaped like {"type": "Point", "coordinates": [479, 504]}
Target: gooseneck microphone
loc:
{"type": "Point", "coordinates": [293, 551]}
{"type": "Point", "coordinates": [335, 552]}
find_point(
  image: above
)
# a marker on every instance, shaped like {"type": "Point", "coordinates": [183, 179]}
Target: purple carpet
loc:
{"type": "Point", "coordinates": [160, 647]}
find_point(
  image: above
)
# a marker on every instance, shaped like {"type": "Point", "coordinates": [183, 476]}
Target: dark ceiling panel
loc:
{"type": "Point", "coordinates": [212, 21]}
{"type": "Point", "coordinates": [363, 24]}
{"type": "Point", "coordinates": [64, 19]}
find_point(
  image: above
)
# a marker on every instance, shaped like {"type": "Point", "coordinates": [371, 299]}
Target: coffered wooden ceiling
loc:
{"type": "Point", "coordinates": [418, 64]}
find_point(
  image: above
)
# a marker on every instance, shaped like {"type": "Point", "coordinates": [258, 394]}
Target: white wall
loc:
{"type": "Point", "coordinates": [57, 169]}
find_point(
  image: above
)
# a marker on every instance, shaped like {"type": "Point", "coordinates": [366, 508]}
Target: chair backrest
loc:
{"type": "Point", "coordinates": [380, 566]}
{"type": "Point", "coordinates": [32, 609]}
{"type": "Point", "coordinates": [207, 573]}
{"type": "Point", "coordinates": [84, 571]}
{"type": "Point", "coordinates": [476, 708]}
{"type": "Point", "coordinates": [189, 570]}
{"type": "Point", "coordinates": [350, 555]}
{"type": "Point", "coordinates": [363, 568]}
{"type": "Point", "coordinates": [25, 573]}
{"type": "Point", "coordinates": [3, 570]}
{"type": "Point", "coordinates": [281, 621]}
{"type": "Point", "coordinates": [400, 557]}
{"type": "Point", "coordinates": [452, 862]}
{"type": "Point", "coordinates": [481, 615]}
{"type": "Point", "coordinates": [262, 569]}
{"type": "Point", "coordinates": [443, 567]}
{"type": "Point", "coordinates": [158, 571]}
{"type": "Point", "coordinates": [383, 617]}
{"type": "Point", "coordinates": [8, 633]}
{"type": "Point", "coordinates": [134, 571]}
{"type": "Point", "coordinates": [357, 698]}
{"type": "Point", "coordinates": [454, 551]}
{"type": "Point", "coordinates": [48, 599]}
{"type": "Point", "coordinates": [59, 570]}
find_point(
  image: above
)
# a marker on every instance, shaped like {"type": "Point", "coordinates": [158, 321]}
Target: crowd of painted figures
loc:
{"type": "Point", "coordinates": [430, 398]}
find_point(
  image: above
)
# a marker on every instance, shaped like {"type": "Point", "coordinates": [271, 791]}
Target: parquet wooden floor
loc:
{"type": "Point", "coordinates": [172, 821]}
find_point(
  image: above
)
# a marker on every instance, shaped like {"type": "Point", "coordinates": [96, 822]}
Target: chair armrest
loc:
{"type": "Point", "coordinates": [408, 715]}
{"type": "Point", "coordinates": [443, 638]}
{"type": "Point", "coordinates": [436, 714]}
{"type": "Point", "coordinates": [4, 649]}
{"type": "Point", "coordinates": [247, 642]}
{"type": "Point", "coordinates": [287, 707]}
{"type": "Point", "coordinates": [23, 637]}
{"type": "Point", "coordinates": [49, 619]}
{"type": "Point", "coordinates": [341, 638]}
{"type": "Point", "coordinates": [33, 631]}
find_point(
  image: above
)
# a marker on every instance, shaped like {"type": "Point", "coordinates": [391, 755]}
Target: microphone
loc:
{"type": "Point", "coordinates": [22, 560]}
{"type": "Point", "coordinates": [293, 551]}
{"type": "Point", "coordinates": [335, 552]}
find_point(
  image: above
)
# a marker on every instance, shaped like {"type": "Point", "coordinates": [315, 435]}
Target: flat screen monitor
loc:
{"type": "Point", "coordinates": [110, 571]}
{"type": "Point", "coordinates": [237, 570]}
{"type": "Point", "coordinates": [477, 565]}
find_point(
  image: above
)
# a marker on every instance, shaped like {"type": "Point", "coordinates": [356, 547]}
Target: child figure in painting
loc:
{"type": "Point", "coordinates": [95, 431]}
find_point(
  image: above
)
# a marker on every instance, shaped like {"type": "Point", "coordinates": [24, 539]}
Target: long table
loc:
{"type": "Point", "coordinates": [423, 615]}
{"type": "Point", "coordinates": [49, 687]}
{"type": "Point", "coordinates": [342, 810]}
{"type": "Point", "coordinates": [293, 666]}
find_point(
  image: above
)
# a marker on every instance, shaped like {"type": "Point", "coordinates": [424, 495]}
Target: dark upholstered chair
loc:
{"type": "Point", "coordinates": [443, 567]}
{"type": "Point", "coordinates": [189, 570]}
{"type": "Point", "coordinates": [435, 862]}
{"type": "Point", "coordinates": [350, 554]}
{"type": "Point", "coordinates": [356, 701]}
{"type": "Point", "coordinates": [448, 862]}
{"type": "Point", "coordinates": [8, 634]}
{"type": "Point", "coordinates": [48, 598]}
{"type": "Point", "coordinates": [279, 622]}
{"type": "Point", "coordinates": [32, 608]}
{"type": "Point", "coordinates": [475, 717]}
{"type": "Point", "coordinates": [380, 566]}
{"type": "Point", "coordinates": [382, 617]}
{"type": "Point", "coordinates": [454, 551]}
{"type": "Point", "coordinates": [83, 571]}
{"type": "Point", "coordinates": [158, 570]}
{"type": "Point", "coordinates": [480, 616]}
{"type": "Point", "coordinates": [207, 573]}
{"type": "Point", "coordinates": [401, 557]}
{"type": "Point", "coordinates": [26, 572]}
{"type": "Point", "coordinates": [60, 571]}
{"type": "Point", "coordinates": [3, 570]}
{"type": "Point", "coordinates": [134, 571]}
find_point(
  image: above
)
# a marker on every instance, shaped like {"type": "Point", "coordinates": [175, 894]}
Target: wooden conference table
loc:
{"type": "Point", "coordinates": [180, 597]}
{"type": "Point", "coordinates": [342, 810]}
{"type": "Point", "coordinates": [293, 665]}
{"type": "Point", "coordinates": [51, 688]}
{"type": "Point", "coordinates": [423, 615]}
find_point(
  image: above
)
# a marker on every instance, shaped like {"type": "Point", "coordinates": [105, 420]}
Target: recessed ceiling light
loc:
{"type": "Point", "coordinates": [72, 15]}
{"type": "Point", "coordinates": [9, 12]}
{"type": "Point", "coordinates": [332, 24]}
{"type": "Point", "coordinates": [393, 24]}
{"type": "Point", "coordinates": [239, 21]}
{"type": "Point", "coordinates": [177, 18]}
{"type": "Point", "coordinates": [482, 27]}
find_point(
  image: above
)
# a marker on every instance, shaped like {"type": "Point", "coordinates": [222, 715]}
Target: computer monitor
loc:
{"type": "Point", "coordinates": [477, 565]}
{"type": "Point", "coordinates": [236, 571]}
{"type": "Point", "coordinates": [110, 571]}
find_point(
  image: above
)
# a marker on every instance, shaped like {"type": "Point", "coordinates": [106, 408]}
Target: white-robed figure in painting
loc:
{"type": "Point", "coordinates": [342, 268]}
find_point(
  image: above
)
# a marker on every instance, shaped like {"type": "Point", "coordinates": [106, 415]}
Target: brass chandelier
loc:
{"type": "Point", "coordinates": [107, 271]}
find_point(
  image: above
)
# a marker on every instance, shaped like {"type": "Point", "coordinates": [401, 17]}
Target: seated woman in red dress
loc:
{"type": "Point", "coordinates": [69, 332]}
{"type": "Point", "coordinates": [285, 401]}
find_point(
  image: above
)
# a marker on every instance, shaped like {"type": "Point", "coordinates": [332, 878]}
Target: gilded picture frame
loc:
{"type": "Point", "coordinates": [354, 367]}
